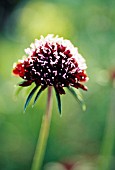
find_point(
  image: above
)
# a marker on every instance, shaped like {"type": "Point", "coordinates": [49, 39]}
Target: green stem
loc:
{"type": "Point", "coordinates": [44, 133]}
{"type": "Point", "coordinates": [109, 137]}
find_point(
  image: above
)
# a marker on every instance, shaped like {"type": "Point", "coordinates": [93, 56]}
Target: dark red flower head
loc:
{"type": "Point", "coordinates": [52, 61]}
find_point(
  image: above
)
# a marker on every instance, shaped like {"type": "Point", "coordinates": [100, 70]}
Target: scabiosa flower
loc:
{"type": "Point", "coordinates": [51, 61]}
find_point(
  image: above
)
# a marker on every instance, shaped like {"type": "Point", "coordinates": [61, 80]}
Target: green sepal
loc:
{"type": "Point", "coordinates": [78, 97]}
{"type": "Point", "coordinates": [29, 97]}
{"type": "Point", "coordinates": [58, 101]}
{"type": "Point", "coordinates": [18, 90]}
{"type": "Point", "coordinates": [38, 94]}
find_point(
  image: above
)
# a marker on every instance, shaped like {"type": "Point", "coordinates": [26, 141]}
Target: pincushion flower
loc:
{"type": "Point", "coordinates": [51, 61]}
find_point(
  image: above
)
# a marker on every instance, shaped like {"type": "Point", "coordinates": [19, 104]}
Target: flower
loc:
{"type": "Point", "coordinates": [52, 61]}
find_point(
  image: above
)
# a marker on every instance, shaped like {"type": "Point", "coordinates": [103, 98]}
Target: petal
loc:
{"type": "Point", "coordinates": [25, 83]}
{"type": "Point", "coordinates": [78, 85]}
{"type": "Point", "coordinates": [60, 90]}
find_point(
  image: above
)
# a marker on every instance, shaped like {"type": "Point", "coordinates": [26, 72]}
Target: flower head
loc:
{"type": "Point", "coordinates": [52, 61]}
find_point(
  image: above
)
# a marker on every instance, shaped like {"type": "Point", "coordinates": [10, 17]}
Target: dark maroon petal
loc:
{"type": "Point", "coordinates": [81, 76]}
{"type": "Point", "coordinates": [25, 83]}
{"type": "Point", "coordinates": [60, 90]}
{"type": "Point", "coordinates": [78, 85]}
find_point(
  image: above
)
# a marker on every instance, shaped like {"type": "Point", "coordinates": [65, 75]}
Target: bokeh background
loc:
{"type": "Point", "coordinates": [78, 140]}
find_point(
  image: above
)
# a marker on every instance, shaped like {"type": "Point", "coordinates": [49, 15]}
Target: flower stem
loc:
{"type": "Point", "coordinates": [108, 141]}
{"type": "Point", "coordinates": [44, 133]}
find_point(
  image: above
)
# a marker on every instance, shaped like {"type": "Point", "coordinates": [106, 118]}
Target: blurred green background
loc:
{"type": "Point", "coordinates": [82, 139]}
